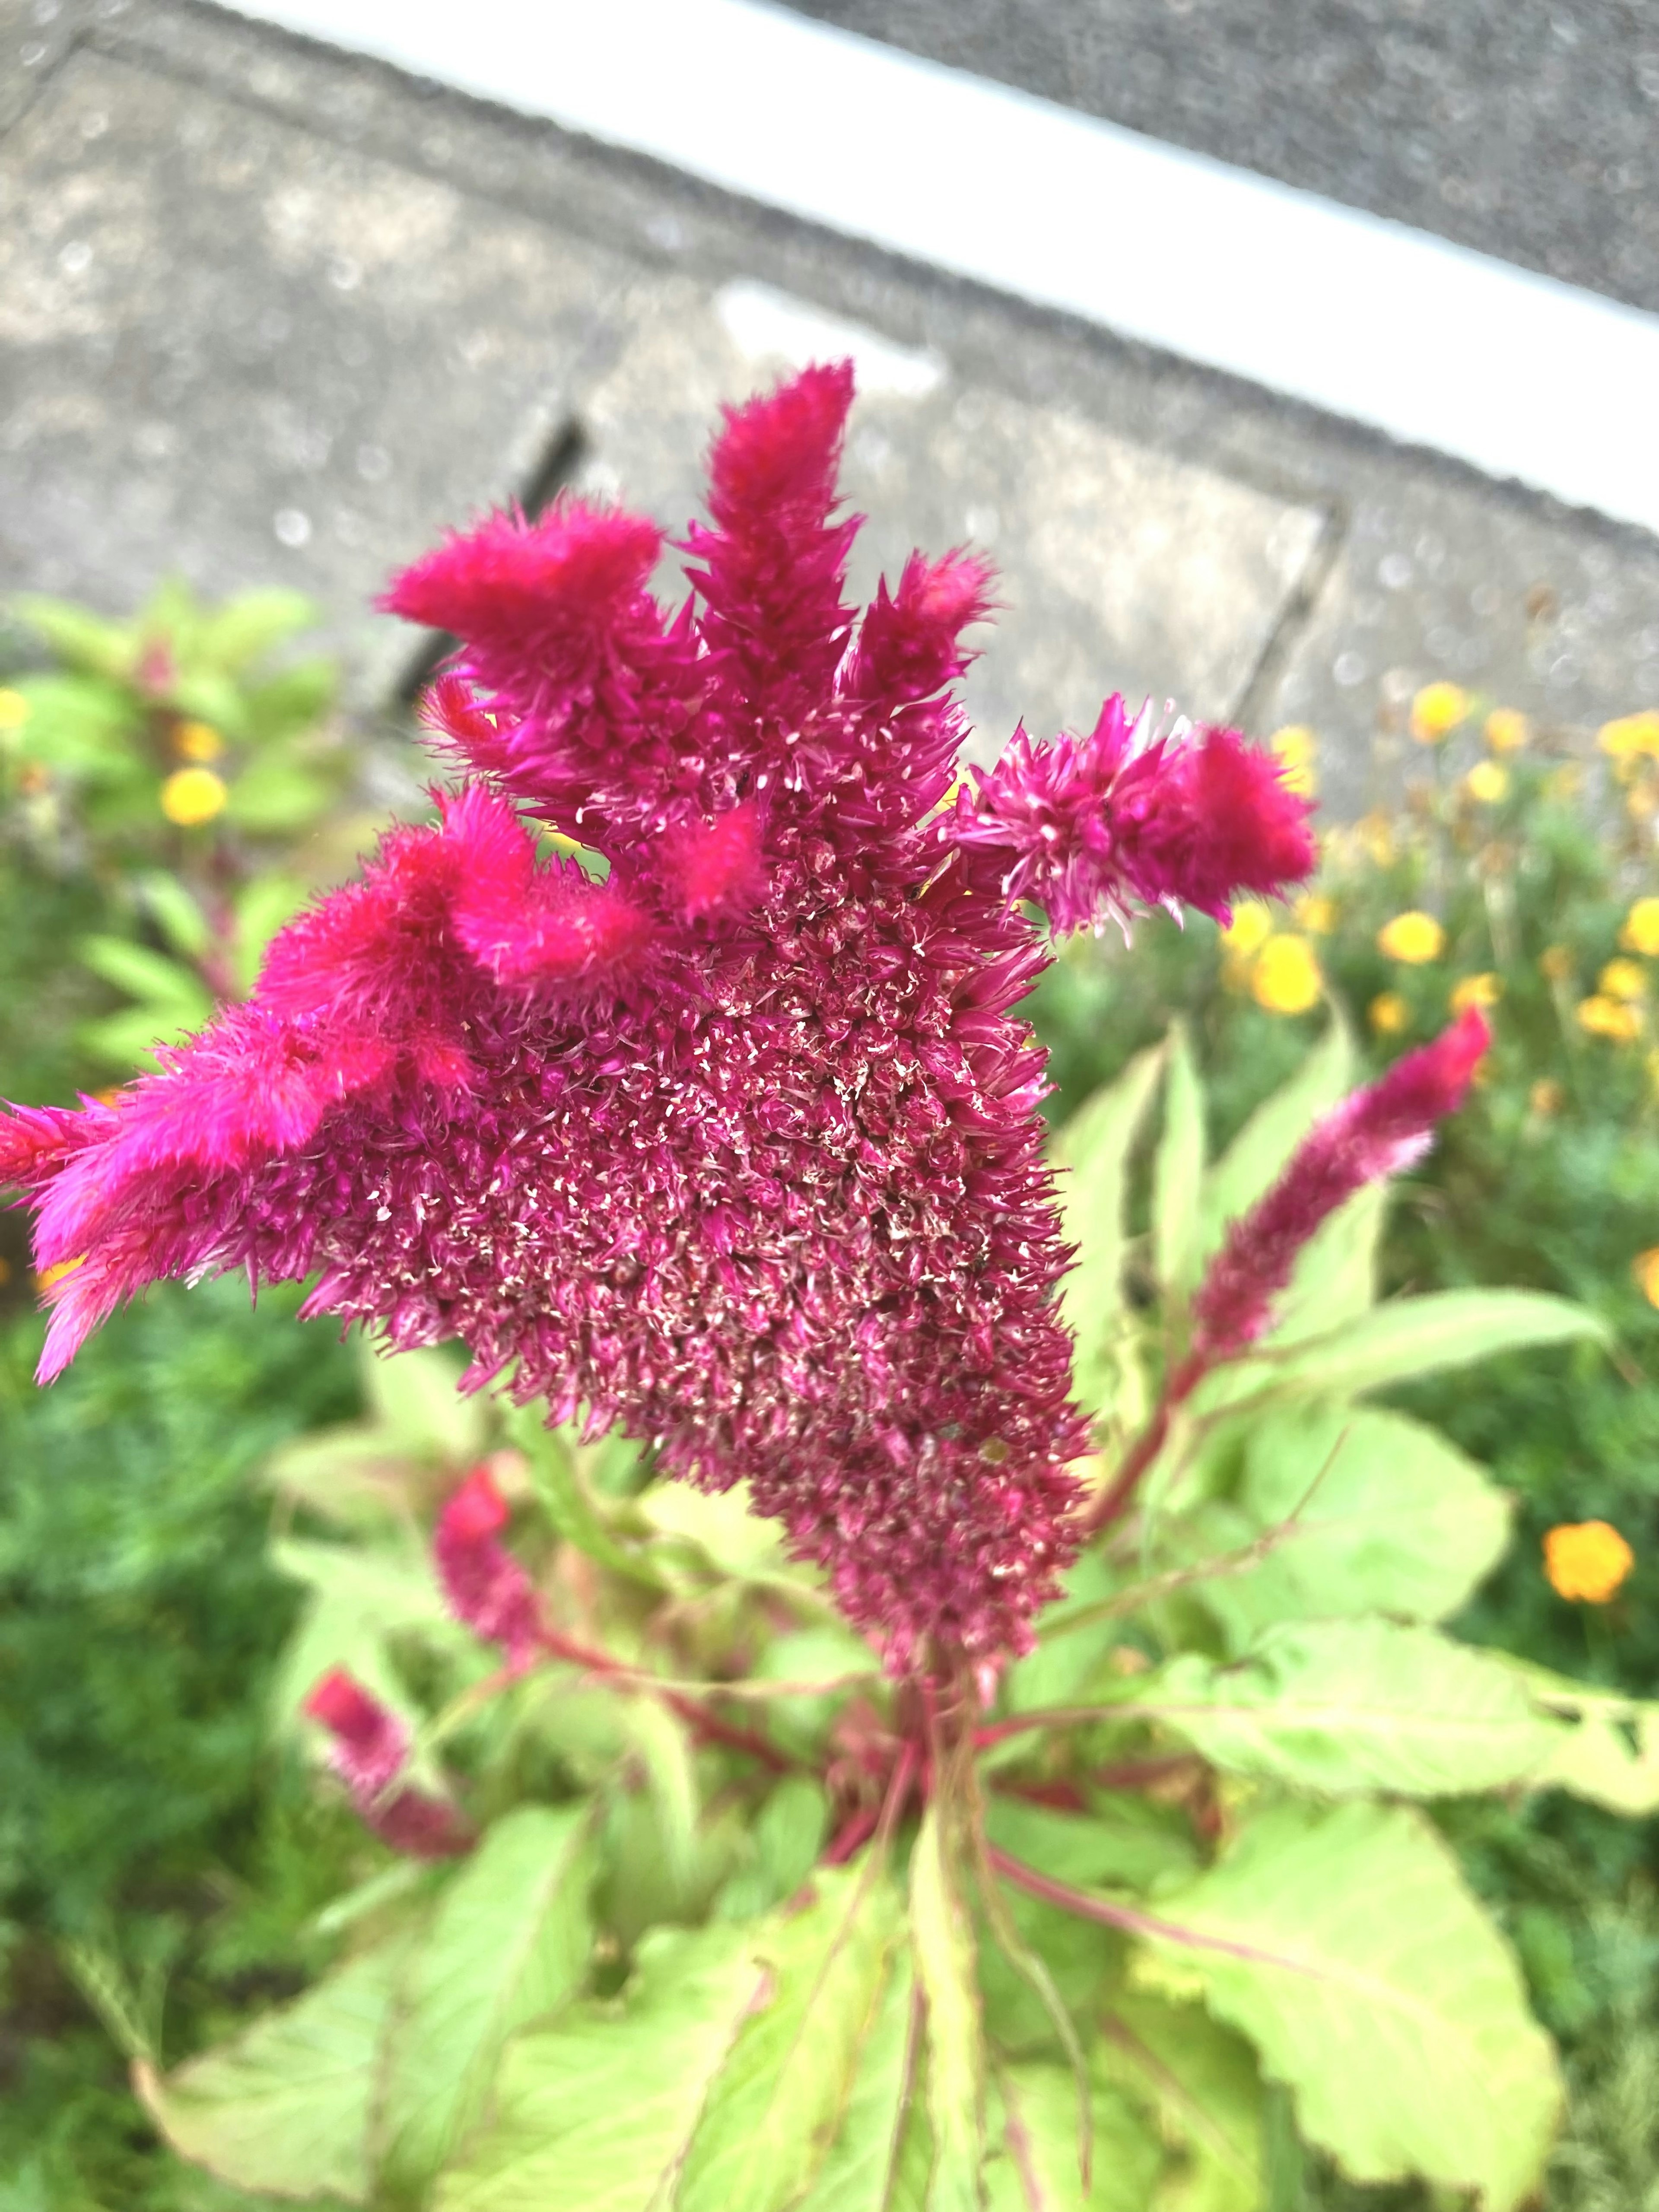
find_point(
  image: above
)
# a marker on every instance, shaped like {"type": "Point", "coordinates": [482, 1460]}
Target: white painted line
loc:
{"type": "Point", "coordinates": [1441, 347]}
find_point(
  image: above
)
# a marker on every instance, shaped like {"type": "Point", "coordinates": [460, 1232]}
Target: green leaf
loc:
{"type": "Point", "coordinates": [174, 994]}
{"type": "Point", "coordinates": [942, 1937]}
{"type": "Point", "coordinates": [251, 624]}
{"type": "Point", "coordinates": [1200, 2080]}
{"type": "Point", "coordinates": [664, 1747]}
{"type": "Point", "coordinates": [781, 2097]}
{"type": "Point", "coordinates": [1409, 1337]}
{"type": "Point", "coordinates": [293, 701]}
{"type": "Point", "coordinates": [1344, 1706]}
{"type": "Point", "coordinates": [1263, 1146]}
{"type": "Point", "coordinates": [1344, 1945]}
{"type": "Point", "coordinates": [414, 1401]}
{"type": "Point", "coordinates": [1127, 1842]}
{"type": "Point", "coordinates": [363, 1599]}
{"type": "Point", "coordinates": [82, 639]}
{"type": "Point", "coordinates": [285, 2108]}
{"type": "Point", "coordinates": [509, 1942]}
{"type": "Point", "coordinates": [176, 910]}
{"type": "Point", "coordinates": [1335, 1277]}
{"type": "Point", "coordinates": [565, 1497]}
{"type": "Point", "coordinates": [208, 696]}
{"type": "Point", "coordinates": [128, 1040]}
{"type": "Point", "coordinates": [1034, 2166]}
{"type": "Point", "coordinates": [597, 2112]}
{"type": "Point", "coordinates": [1095, 1145]}
{"type": "Point", "coordinates": [1369, 1512]}
{"type": "Point", "coordinates": [882, 2154]}
{"type": "Point", "coordinates": [273, 796]}
{"type": "Point", "coordinates": [787, 1835]}
{"type": "Point", "coordinates": [1610, 1754]}
{"type": "Point", "coordinates": [722, 1526]}
{"type": "Point", "coordinates": [1178, 1172]}
{"type": "Point", "coordinates": [81, 727]}
{"type": "Point", "coordinates": [265, 905]}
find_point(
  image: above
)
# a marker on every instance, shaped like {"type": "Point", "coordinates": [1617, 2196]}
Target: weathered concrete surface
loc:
{"type": "Point", "coordinates": [1528, 129]}
{"type": "Point", "coordinates": [596, 276]}
{"type": "Point", "coordinates": [236, 349]}
{"type": "Point", "coordinates": [1119, 568]}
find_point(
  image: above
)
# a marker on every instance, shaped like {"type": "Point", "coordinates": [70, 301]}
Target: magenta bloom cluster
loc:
{"type": "Point", "coordinates": [727, 1131]}
{"type": "Point", "coordinates": [1375, 1133]}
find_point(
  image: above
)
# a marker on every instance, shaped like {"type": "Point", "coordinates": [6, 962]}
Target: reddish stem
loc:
{"type": "Point", "coordinates": [853, 1832]}
{"type": "Point", "coordinates": [1113, 1502]}
{"type": "Point", "coordinates": [708, 1726]}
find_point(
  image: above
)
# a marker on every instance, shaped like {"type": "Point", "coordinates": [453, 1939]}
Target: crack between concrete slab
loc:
{"type": "Point", "coordinates": [1294, 617]}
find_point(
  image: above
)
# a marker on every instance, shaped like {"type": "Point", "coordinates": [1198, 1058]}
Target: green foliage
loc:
{"type": "Point", "coordinates": [747, 1926]}
{"type": "Point", "coordinates": [158, 774]}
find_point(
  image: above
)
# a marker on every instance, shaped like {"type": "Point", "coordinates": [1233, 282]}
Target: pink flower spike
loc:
{"type": "Point", "coordinates": [1377, 1132]}
{"type": "Point", "coordinates": [1089, 826]}
{"type": "Point", "coordinates": [488, 1590]}
{"type": "Point", "coordinates": [369, 1749]}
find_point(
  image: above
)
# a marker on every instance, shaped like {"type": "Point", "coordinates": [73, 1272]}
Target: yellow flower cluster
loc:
{"type": "Point", "coordinates": [1631, 738]}
{"type": "Point", "coordinates": [1413, 938]}
{"type": "Point", "coordinates": [1297, 750]}
{"type": "Point", "coordinates": [193, 795]}
{"type": "Point", "coordinates": [1437, 711]}
{"type": "Point", "coordinates": [1587, 1560]}
{"type": "Point", "coordinates": [1640, 933]}
{"type": "Point", "coordinates": [1616, 1020]}
{"type": "Point", "coordinates": [1484, 991]}
{"type": "Point", "coordinates": [1645, 1268]}
{"type": "Point", "coordinates": [1488, 782]}
{"type": "Point", "coordinates": [197, 741]}
{"type": "Point", "coordinates": [1278, 967]}
{"type": "Point", "coordinates": [14, 710]}
{"type": "Point", "coordinates": [1506, 731]}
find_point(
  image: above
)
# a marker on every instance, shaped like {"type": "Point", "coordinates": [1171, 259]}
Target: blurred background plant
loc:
{"type": "Point", "coordinates": [1512, 873]}
{"type": "Point", "coordinates": [161, 1846]}
{"type": "Point", "coordinates": [160, 777]}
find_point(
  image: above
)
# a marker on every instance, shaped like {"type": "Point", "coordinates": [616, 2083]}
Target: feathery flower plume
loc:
{"type": "Point", "coordinates": [738, 1145]}
{"type": "Point", "coordinates": [488, 1590]}
{"type": "Point", "coordinates": [1374, 1133]}
{"type": "Point", "coordinates": [368, 1751]}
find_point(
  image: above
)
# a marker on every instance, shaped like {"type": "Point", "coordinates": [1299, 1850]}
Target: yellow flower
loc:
{"type": "Point", "coordinates": [1317, 914]}
{"type": "Point", "coordinates": [1641, 931]}
{"type": "Point", "coordinates": [1483, 991]}
{"type": "Point", "coordinates": [1609, 1017]}
{"type": "Point", "coordinates": [1547, 1095]}
{"type": "Point", "coordinates": [1297, 750]}
{"type": "Point", "coordinates": [1555, 963]}
{"type": "Point", "coordinates": [1389, 1013]}
{"type": "Point", "coordinates": [1565, 782]}
{"type": "Point", "coordinates": [1586, 1559]}
{"type": "Point", "coordinates": [1630, 735]}
{"type": "Point", "coordinates": [48, 1276]}
{"type": "Point", "coordinates": [1645, 1268]}
{"type": "Point", "coordinates": [14, 710]}
{"type": "Point", "coordinates": [1251, 926]}
{"type": "Point", "coordinates": [1622, 979]}
{"type": "Point", "coordinates": [1437, 711]}
{"type": "Point", "coordinates": [1487, 781]}
{"type": "Point", "coordinates": [1413, 937]}
{"type": "Point", "coordinates": [197, 741]}
{"type": "Point", "coordinates": [1286, 978]}
{"type": "Point", "coordinates": [190, 795]}
{"type": "Point", "coordinates": [1506, 731]}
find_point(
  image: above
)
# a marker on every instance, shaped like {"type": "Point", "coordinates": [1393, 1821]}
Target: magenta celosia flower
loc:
{"type": "Point", "coordinates": [1374, 1133]}
{"type": "Point", "coordinates": [731, 1136]}
{"type": "Point", "coordinates": [488, 1590]}
{"type": "Point", "coordinates": [369, 1748]}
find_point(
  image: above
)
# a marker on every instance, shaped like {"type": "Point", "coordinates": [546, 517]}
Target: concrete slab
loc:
{"type": "Point", "coordinates": [232, 349]}
{"type": "Point", "coordinates": [1547, 610]}
{"type": "Point", "coordinates": [1120, 568]}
